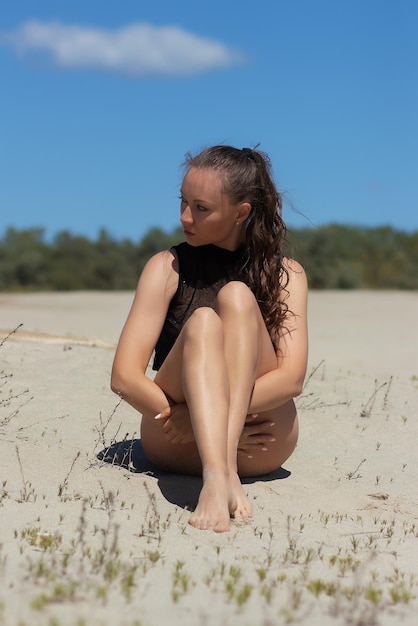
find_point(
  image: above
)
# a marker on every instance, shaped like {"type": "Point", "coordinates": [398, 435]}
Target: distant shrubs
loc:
{"type": "Point", "coordinates": [334, 256]}
{"type": "Point", "coordinates": [73, 262]}
{"type": "Point", "coordinates": [348, 257]}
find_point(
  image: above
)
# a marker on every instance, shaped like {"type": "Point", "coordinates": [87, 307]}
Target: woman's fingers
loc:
{"type": "Point", "coordinates": [256, 437]}
{"type": "Point", "coordinates": [173, 435]}
{"type": "Point", "coordinates": [164, 414]}
{"type": "Point", "coordinates": [253, 429]}
{"type": "Point", "coordinates": [166, 426]}
{"type": "Point", "coordinates": [177, 438]}
{"type": "Point", "coordinates": [256, 440]}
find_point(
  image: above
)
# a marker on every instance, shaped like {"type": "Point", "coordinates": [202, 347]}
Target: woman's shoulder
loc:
{"type": "Point", "coordinates": [294, 283]}
{"type": "Point", "coordinates": [161, 270]}
{"type": "Point", "coordinates": [165, 260]}
{"type": "Point", "coordinates": [293, 269]}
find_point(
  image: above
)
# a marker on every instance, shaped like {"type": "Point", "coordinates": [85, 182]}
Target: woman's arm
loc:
{"type": "Point", "coordinates": [280, 385]}
{"type": "Point", "coordinates": [156, 287]}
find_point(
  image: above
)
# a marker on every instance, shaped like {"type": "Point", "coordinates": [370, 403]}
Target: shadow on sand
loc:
{"type": "Point", "coordinates": [179, 489]}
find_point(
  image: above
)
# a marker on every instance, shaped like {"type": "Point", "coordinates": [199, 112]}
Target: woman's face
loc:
{"type": "Point", "coordinates": [207, 216]}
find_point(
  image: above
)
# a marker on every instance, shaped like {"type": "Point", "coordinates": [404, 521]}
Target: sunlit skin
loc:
{"type": "Point", "coordinates": [221, 405]}
{"type": "Point", "coordinates": [207, 216]}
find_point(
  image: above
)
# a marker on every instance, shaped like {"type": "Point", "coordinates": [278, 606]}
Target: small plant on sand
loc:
{"type": "Point", "coordinates": [181, 581]}
{"type": "Point", "coordinates": [8, 397]}
{"type": "Point", "coordinates": [355, 474]}
{"type": "Point", "coordinates": [60, 592]}
{"type": "Point", "coordinates": [308, 400]}
{"type": "Point", "coordinates": [152, 526]}
{"type": "Point", "coordinates": [63, 486]}
{"type": "Point", "coordinates": [45, 541]}
{"type": "Point", "coordinates": [101, 430]}
{"type": "Point", "coordinates": [2, 559]}
{"type": "Point", "coordinates": [367, 408]}
{"type": "Point", "coordinates": [3, 492]}
{"type": "Point", "coordinates": [27, 492]}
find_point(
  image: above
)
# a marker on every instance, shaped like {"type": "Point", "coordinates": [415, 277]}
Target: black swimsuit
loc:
{"type": "Point", "coordinates": [203, 271]}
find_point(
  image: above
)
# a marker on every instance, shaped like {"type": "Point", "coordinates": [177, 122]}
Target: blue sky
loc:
{"type": "Point", "coordinates": [100, 102]}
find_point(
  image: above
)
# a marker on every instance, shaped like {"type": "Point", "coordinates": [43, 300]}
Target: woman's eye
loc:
{"type": "Point", "coordinates": [201, 208]}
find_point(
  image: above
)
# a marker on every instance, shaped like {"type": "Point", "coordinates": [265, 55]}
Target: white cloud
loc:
{"type": "Point", "coordinates": [138, 49]}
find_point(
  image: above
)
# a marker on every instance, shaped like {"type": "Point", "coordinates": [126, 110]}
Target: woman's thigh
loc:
{"type": "Point", "coordinates": [184, 458]}
{"type": "Point", "coordinates": [237, 298]}
{"type": "Point", "coordinates": [205, 325]}
{"type": "Point", "coordinates": [170, 457]}
{"type": "Point", "coordinates": [285, 431]}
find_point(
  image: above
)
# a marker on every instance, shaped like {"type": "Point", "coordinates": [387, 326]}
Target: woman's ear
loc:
{"type": "Point", "coordinates": [243, 211]}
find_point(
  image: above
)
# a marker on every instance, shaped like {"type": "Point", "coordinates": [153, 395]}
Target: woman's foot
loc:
{"type": "Point", "coordinates": [243, 508]}
{"type": "Point", "coordinates": [216, 504]}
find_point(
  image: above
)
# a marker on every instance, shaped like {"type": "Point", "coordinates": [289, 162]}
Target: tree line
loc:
{"type": "Point", "coordinates": [334, 257]}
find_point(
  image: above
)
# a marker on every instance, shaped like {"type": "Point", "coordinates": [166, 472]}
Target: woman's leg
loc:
{"type": "Point", "coordinates": [206, 391]}
{"type": "Point", "coordinates": [195, 372]}
{"type": "Point", "coordinates": [249, 353]}
{"type": "Point", "coordinates": [246, 345]}
{"type": "Point", "coordinates": [212, 367]}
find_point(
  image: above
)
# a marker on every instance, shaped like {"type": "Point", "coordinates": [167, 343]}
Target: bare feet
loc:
{"type": "Point", "coordinates": [243, 508]}
{"type": "Point", "coordinates": [216, 504]}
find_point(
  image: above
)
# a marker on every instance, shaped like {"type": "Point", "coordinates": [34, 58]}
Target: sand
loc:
{"type": "Point", "coordinates": [91, 533]}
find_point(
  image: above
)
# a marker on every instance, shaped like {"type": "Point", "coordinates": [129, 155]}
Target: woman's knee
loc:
{"type": "Point", "coordinates": [236, 294]}
{"type": "Point", "coordinates": [202, 321]}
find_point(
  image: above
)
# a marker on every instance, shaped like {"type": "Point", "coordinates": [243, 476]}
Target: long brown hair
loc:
{"type": "Point", "coordinates": [247, 177]}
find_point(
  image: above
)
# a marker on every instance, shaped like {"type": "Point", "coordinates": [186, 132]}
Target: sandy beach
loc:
{"type": "Point", "coordinates": [91, 533]}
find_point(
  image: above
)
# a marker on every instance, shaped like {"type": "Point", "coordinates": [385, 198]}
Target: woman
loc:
{"type": "Point", "coordinates": [225, 312]}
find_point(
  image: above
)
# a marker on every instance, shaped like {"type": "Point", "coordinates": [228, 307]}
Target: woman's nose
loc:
{"type": "Point", "coordinates": [186, 215]}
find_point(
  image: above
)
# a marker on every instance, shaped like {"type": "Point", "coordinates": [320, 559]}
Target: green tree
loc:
{"type": "Point", "coordinates": [334, 256]}
{"type": "Point", "coordinates": [23, 260]}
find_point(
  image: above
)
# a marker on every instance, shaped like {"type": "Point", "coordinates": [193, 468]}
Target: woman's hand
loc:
{"type": "Point", "coordinates": [176, 424]}
{"type": "Point", "coordinates": [255, 437]}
